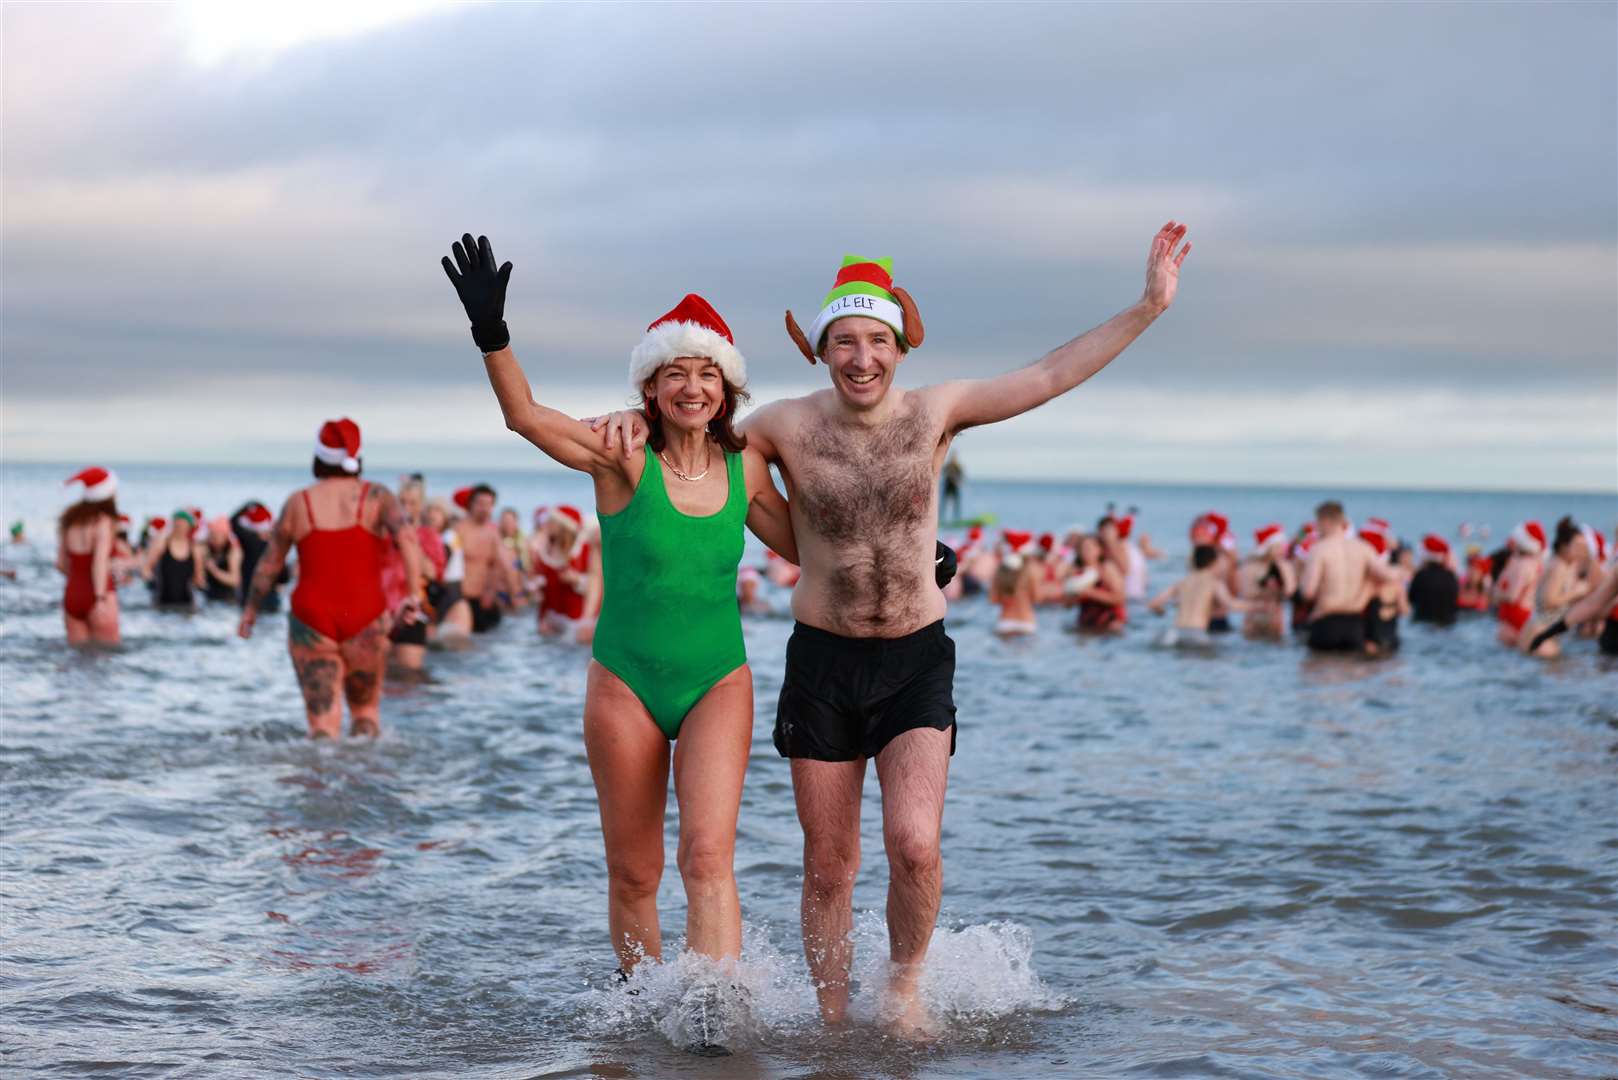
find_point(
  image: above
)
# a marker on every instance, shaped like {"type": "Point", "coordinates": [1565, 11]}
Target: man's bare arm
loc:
{"type": "Point", "coordinates": [972, 402]}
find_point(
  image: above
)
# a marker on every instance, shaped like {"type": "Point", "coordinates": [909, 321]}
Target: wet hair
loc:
{"type": "Point", "coordinates": [1567, 530]}
{"type": "Point", "coordinates": [719, 427]}
{"type": "Point", "coordinates": [1006, 578]}
{"type": "Point", "coordinates": [323, 471]}
{"type": "Point", "coordinates": [482, 489]}
{"type": "Point", "coordinates": [1204, 556]}
{"type": "Point", "coordinates": [85, 512]}
{"type": "Point", "coordinates": [1330, 510]}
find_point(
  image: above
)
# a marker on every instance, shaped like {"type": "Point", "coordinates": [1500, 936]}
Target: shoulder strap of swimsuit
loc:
{"type": "Point", "coordinates": [738, 482]}
{"type": "Point", "coordinates": [359, 514]}
{"type": "Point", "coordinates": [308, 508]}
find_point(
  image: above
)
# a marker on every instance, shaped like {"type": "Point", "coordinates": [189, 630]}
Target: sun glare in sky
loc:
{"type": "Point", "coordinates": [226, 28]}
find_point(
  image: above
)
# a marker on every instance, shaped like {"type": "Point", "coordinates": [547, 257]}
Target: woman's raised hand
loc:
{"type": "Point", "coordinates": [482, 289]}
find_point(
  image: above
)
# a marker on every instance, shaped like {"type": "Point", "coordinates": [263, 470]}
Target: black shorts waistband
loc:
{"type": "Point", "coordinates": [869, 645]}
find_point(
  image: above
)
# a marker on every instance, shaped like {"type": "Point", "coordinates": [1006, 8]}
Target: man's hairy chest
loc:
{"type": "Point", "coordinates": [855, 483]}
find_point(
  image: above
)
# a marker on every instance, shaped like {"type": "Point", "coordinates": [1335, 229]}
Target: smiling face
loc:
{"type": "Point", "coordinates": [687, 393]}
{"type": "Point", "coordinates": [862, 355]}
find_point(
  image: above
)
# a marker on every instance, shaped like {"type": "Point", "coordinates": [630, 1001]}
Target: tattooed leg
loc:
{"type": "Point", "coordinates": [365, 657]}
{"type": "Point", "coordinates": [318, 663]}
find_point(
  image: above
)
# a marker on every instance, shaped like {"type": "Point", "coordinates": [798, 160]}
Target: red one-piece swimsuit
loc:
{"type": "Point", "coordinates": [339, 589]}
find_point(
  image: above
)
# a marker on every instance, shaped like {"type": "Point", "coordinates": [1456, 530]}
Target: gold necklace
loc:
{"type": "Point", "coordinates": [688, 479]}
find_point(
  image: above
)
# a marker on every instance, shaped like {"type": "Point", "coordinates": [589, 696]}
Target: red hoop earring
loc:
{"type": "Point", "coordinates": [721, 411]}
{"type": "Point", "coordinates": [650, 410]}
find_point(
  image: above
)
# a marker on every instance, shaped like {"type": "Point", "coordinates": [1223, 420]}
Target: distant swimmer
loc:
{"type": "Point", "coordinates": [1601, 600]}
{"type": "Point", "coordinates": [1562, 584]}
{"type": "Point", "coordinates": [668, 675]}
{"type": "Point", "coordinates": [1097, 587]}
{"type": "Point", "coordinates": [954, 476]}
{"type": "Point", "coordinates": [1336, 582]}
{"type": "Point", "coordinates": [409, 637]}
{"type": "Point", "coordinates": [1387, 601]}
{"type": "Point", "coordinates": [84, 553]}
{"type": "Point", "coordinates": [1478, 584]}
{"type": "Point", "coordinates": [173, 567]}
{"type": "Point", "coordinates": [1518, 582]}
{"type": "Point", "coordinates": [1015, 586]}
{"type": "Point", "coordinates": [222, 561]}
{"type": "Point", "coordinates": [1435, 591]}
{"type": "Point", "coordinates": [567, 565]}
{"type": "Point", "coordinates": [1266, 580]}
{"type": "Point", "coordinates": [487, 572]}
{"type": "Point", "coordinates": [1134, 556]}
{"type": "Point", "coordinates": [251, 525]}
{"type": "Point", "coordinates": [1194, 597]}
{"type": "Point", "coordinates": [19, 532]}
{"type": "Point", "coordinates": [337, 631]}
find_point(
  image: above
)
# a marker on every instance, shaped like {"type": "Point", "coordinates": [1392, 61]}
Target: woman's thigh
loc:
{"type": "Point", "coordinates": [629, 760]}
{"type": "Point", "coordinates": [710, 759]}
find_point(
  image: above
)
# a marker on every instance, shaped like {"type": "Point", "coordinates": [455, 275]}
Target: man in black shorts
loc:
{"type": "Point", "coordinates": [870, 670]}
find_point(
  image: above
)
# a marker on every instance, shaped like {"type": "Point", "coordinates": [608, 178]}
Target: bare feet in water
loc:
{"type": "Point", "coordinates": [907, 1013]}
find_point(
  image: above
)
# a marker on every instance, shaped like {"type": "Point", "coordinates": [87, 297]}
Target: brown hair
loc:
{"type": "Point", "coordinates": [323, 471]}
{"type": "Point", "coordinates": [1330, 510]}
{"type": "Point", "coordinates": [719, 427]}
{"type": "Point", "coordinates": [85, 512]}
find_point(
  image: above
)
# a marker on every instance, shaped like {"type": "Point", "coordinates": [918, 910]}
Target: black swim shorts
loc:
{"type": "Point", "coordinates": [1337, 633]}
{"type": "Point", "coordinates": [412, 633]}
{"type": "Point", "coordinates": [484, 619]}
{"type": "Point", "coordinates": [846, 698]}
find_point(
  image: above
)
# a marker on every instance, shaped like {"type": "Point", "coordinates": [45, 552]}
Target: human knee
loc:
{"type": "Point", "coordinates": [706, 859]}
{"type": "Point", "coordinates": [830, 866]}
{"type": "Point", "coordinates": [634, 879]}
{"type": "Point", "coordinates": [913, 852]}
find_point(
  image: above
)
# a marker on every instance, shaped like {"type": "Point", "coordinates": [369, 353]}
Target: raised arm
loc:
{"type": "Point", "coordinates": [972, 402]}
{"type": "Point", "coordinates": [482, 289]}
{"type": "Point", "coordinates": [768, 515]}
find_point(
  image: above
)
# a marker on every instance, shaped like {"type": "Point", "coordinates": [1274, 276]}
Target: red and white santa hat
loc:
{"type": "Point", "coordinates": [693, 328]}
{"type": "Point", "coordinates": [94, 484]}
{"type": "Point", "coordinates": [1269, 536]}
{"type": "Point", "coordinates": [1529, 536]}
{"type": "Point", "coordinates": [462, 498]}
{"type": "Point", "coordinates": [256, 516]}
{"type": "Point", "coordinates": [1378, 542]}
{"type": "Point", "coordinates": [564, 513]}
{"type": "Point", "coordinates": [1597, 542]}
{"type": "Point", "coordinates": [1125, 525]}
{"type": "Point", "coordinates": [1016, 545]}
{"type": "Point", "coordinates": [338, 443]}
{"type": "Point", "coordinates": [1435, 546]}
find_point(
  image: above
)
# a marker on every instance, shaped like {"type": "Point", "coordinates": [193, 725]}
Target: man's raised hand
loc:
{"type": "Point", "coordinates": [482, 289]}
{"type": "Point", "coordinates": [1163, 265]}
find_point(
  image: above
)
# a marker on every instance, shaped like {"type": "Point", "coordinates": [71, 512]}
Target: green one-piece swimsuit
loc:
{"type": "Point", "coordinates": [670, 625]}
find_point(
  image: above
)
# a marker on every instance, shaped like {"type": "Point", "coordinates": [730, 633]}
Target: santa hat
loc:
{"type": "Point", "coordinates": [568, 515]}
{"type": "Point", "coordinates": [1379, 525]}
{"type": "Point", "coordinates": [1435, 545]}
{"type": "Point", "coordinates": [862, 287]}
{"type": "Point", "coordinates": [1269, 536]}
{"type": "Point", "coordinates": [1378, 541]}
{"type": "Point", "coordinates": [1598, 544]}
{"type": "Point", "coordinates": [1124, 525]}
{"type": "Point", "coordinates": [94, 484]}
{"type": "Point", "coordinates": [255, 516]}
{"type": "Point", "coordinates": [1529, 536]}
{"type": "Point", "coordinates": [338, 443]}
{"type": "Point", "coordinates": [539, 515]}
{"type": "Point", "coordinates": [156, 524]}
{"type": "Point", "coordinates": [1017, 544]}
{"type": "Point", "coordinates": [693, 328]}
{"type": "Point", "coordinates": [463, 498]}
{"type": "Point", "coordinates": [1046, 542]}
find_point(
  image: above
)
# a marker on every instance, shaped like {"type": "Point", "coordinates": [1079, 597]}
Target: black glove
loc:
{"type": "Point", "coordinates": [482, 290]}
{"type": "Point", "coordinates": [1557, 627]}
{"type": "Point", "coordinates": [944, 564]}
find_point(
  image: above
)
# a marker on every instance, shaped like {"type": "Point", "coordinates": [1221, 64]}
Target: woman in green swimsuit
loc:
{"type": "Point", "coordinates": [668, 661]}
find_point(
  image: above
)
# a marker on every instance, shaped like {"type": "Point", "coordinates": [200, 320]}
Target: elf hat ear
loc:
{"type": "Point", "coordinates": [795, 332]}
{"type": "Point", "coordinates": [914, 331]}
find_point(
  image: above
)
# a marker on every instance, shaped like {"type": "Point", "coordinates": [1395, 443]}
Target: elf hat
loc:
{"type": "Point", "coordinates": [1435, 545]}
{"type": "Point", "coordinates": [693, 328]}
{"type": "Point", "coordinates": [338, 443]}
{"type": "Point", "coordinates": [96, 484]}
{"type": "Point", "coordinates": [1269, 536]}
{"type": "Point", "coordinates": [1530, 537]}
{"type": "Point", "coordinates": [862, 287]}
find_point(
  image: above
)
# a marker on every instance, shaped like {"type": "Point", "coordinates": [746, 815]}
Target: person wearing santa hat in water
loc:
{"type": "Point", "coordinates": [1601, 599]}
{"type": "Point", "coordinates": [668, 676]}
{"type": "Point", "coordinates": [1016, 584]}
{"type": "Point", "coordinates": [1341, 571]}
{"type": "Point", "coordinates": [337, 631]}
{"type": "Point", "coordinates": [486, 572]}
{"type": "Point", "coordinates": [173, 566]}
{"type": "Point", "coordinates": [84, 552]}
{"type": "Point", "coordinates": [251, 525]}
{"type": "Point", "coordinates": [1195, 597]}
{"type": "Point", "coordinates": [1097, 587]}
{"type": "Point", "coordinates": [1518, 581]}
{"type": "Point", "coordinates": [1265, 581]}
{"type": "Point", "coordinates": [1435, 590]}
{"type": "Point", "coordinates": [567, 565]}
{"type": "Point", "coordinates": [1388, 600]}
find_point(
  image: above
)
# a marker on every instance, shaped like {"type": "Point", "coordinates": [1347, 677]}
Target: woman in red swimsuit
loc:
{"type": "Point", "coordinates": [338, 629]}
{"type": "Point", "coordinates": [84, 549]}
{"type": "Point", "coordinates": [1514, 592]}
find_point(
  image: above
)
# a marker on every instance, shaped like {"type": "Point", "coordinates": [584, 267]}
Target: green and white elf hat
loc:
{"type": "Point", "coordinates": [863, 287]}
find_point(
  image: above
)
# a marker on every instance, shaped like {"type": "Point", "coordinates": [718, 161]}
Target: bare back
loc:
{"type": "Point", "coordinates": [335, 504]}
{"type": "Point", "coordinates": [1345, 577]}
{"type": "Point", "coordinates": [864, 508]}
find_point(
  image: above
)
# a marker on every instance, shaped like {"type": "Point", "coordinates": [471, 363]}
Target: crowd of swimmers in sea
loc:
{"type": "Point", "coordinates": [1342, 587]}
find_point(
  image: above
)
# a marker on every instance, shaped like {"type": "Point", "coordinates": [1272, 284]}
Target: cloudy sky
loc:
{"type": "Point", "coordinates": [222, 224]}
